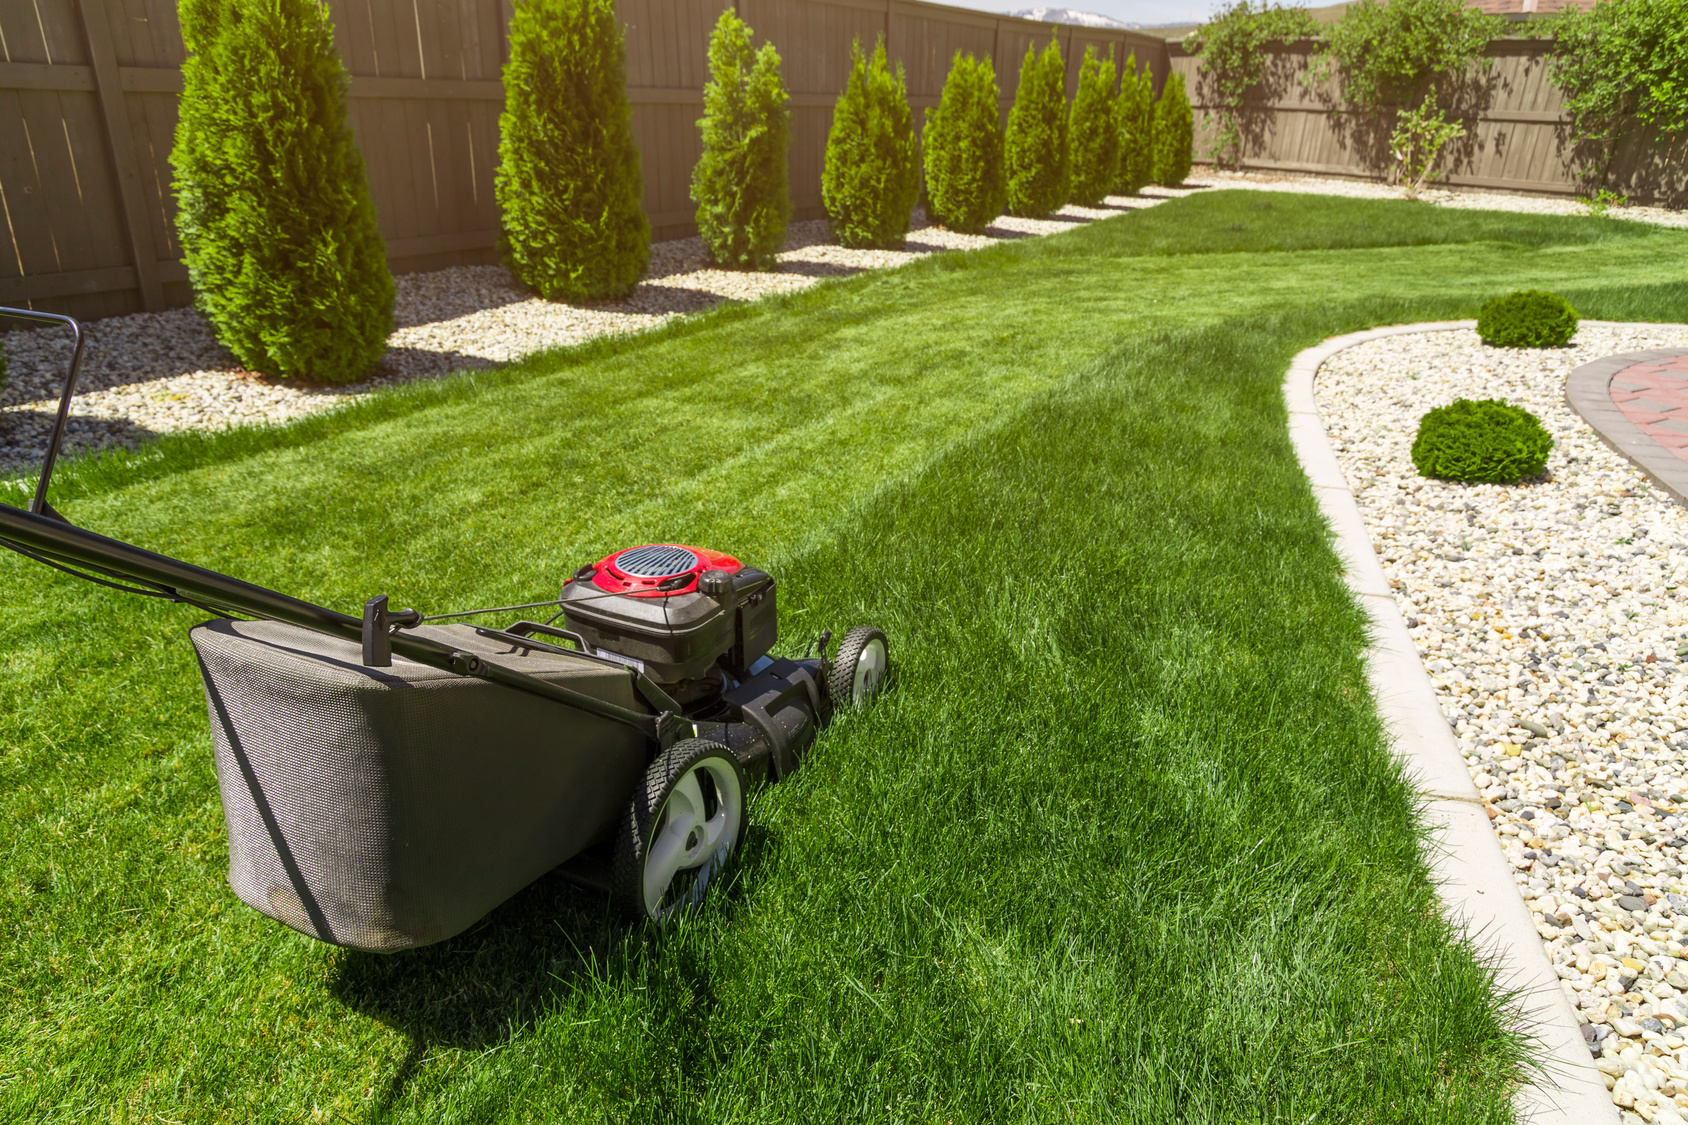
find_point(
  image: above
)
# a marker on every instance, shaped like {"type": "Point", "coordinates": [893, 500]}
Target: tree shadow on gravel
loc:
{"type": "Point", "coordinates": [24, 435]}
{"type": "Point", "coordinates": [915, 246]}
{"type": "Point", "coordinates": [820, 269]}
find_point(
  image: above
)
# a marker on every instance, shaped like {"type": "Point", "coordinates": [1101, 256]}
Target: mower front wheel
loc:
{"type": "Point", "coordinates": [858, 671]}
{"type": "Point", "coordinates": [683, 827]}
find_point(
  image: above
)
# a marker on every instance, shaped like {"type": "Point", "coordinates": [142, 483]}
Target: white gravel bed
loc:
{"type": "Point", "coordinates": [1441, 196]}
{"type": "Point", "coordinates": [153, 373]}
{"type": "Point", "coordinates": [1553, 619]}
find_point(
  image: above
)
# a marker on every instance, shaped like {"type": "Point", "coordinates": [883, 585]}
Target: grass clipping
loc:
{"type": "Point", "coordinates": [1488, 441]}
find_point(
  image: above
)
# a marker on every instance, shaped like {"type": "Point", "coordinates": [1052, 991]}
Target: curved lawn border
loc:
{"type": "Point", "coordinates": [1589, 392]}
{"type": "Point", "coordinates": [1474, 878]}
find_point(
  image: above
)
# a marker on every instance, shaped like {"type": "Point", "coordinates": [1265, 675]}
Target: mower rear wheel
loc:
{"type": "Point", "coordinates": [683, 826]}
{"type": "Point", "coordinates": [858, 671]}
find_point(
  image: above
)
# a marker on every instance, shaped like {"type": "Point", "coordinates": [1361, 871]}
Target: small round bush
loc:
{"type": "Point", "coordinates": [1490, 441]}
{"type": "Point", "coordinates": [1529, 318]}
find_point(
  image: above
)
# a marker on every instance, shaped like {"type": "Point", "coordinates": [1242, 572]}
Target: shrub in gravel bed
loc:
{"type": "Point", "coordinates": [1092, 133]}
{"type": "Point", "coordinates": [965, 184]}
{"type": "Point", "coordinates": [741, 183]}
{"type": "Point", "coordinates": [1036, 148]}
{"type": "Point", "coordinates": [872, 176]}
{"type": "Point", "coordinates": [1490, 441]}
{"type": "Point", "coordinates": [1529, 318]}
{"type": "Point", "coordinates": [1174, 133]}
{"type": "Point", "coordinates": [274, 213]}
{"type": "Point", "coordinates": [1135, 116]}
{"type": "Point", "coordinates": [569, 186]}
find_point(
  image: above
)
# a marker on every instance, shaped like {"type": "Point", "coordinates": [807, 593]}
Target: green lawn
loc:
{"type": "Point", "coordinates": [1123, 842]}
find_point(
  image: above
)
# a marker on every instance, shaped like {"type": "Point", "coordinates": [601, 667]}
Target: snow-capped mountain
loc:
{"type": "Point", "coordinates": [1068, 15]}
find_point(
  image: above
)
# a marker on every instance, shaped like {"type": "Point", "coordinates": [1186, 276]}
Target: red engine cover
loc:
{"type": "Point", "coordinates": [636, 571]}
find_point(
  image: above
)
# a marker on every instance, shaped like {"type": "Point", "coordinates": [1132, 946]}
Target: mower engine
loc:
{"type": "Point", "coordinates": [699, 624]}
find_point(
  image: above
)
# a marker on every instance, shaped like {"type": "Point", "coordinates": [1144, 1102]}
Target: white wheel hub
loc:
{"type": "Point", "coordinates": [695, 830]}
{"type": "Point", "coordinates": [870, 672]}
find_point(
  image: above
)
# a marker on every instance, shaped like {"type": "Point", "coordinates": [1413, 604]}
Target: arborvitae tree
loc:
{"type": "Point", "coordinates": [740, 184]}
{"type": "Point", "coordinates": [1093, 132]}
{"type": "Point", "coordinates": [568, 182]}
{"type": "Point", "coordinates": [1174, 133]}
{"type": "Point", "coordinates": [965, 184]}
{"type": "Point", "coordinates": [273, 206]}
{"type": "Point", "coordinates": [872, 177]}
{"type": "Point", "coordinates": [1135, 114]}
{"type": "Point", "coordinates": [1036, 149]}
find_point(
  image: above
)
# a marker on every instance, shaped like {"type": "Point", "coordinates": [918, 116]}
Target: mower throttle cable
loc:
{"type": "Point", "coordinates": [478, 612]}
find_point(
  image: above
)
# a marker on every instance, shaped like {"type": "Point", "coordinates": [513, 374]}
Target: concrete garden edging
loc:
{"type": "Point", "coordinates": [1473, 876]}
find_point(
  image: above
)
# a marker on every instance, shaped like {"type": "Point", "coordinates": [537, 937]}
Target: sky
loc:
{"type": "Point", "coordinates": [1126, 11]}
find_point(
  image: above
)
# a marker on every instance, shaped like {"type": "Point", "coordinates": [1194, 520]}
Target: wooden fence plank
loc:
{"type": "Point", "coordinates": [40, 76]}
{"type": "Point", "coordinates": [121, 142]}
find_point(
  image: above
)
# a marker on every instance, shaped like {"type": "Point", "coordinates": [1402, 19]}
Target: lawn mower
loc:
{"type": "Point", "coordinates": [390, 778]}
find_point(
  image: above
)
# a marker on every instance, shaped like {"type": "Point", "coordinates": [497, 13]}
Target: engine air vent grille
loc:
{"type": "Point", "coordinates": [655, 562]}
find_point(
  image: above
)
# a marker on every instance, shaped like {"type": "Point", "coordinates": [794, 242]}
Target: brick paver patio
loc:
{"type": "Point", "coordinates": [1654, 396]}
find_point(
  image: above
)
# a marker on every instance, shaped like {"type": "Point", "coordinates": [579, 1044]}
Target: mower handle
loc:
{"type": "Point", "coordinates": [56, 539]}
{"type": "Point", "coordinates": [44, 534]}
{"type": "Point", "coordinates": [39, 504]}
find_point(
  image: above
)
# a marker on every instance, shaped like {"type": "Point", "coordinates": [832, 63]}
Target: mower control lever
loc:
{"type": "Point", "coordinates": [378, 624]}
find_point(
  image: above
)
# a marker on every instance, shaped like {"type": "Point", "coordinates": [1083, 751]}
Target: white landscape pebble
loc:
{"type": "Point", "coordinates": [1553, 619]}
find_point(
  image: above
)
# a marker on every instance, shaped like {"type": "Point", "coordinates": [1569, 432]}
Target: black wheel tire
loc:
{"type": "Point", "coordinates": [858, 671]}
{"type": "Point", "coordinates": [687, 818]}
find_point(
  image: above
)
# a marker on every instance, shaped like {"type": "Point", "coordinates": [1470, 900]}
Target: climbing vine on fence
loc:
{"type": "Point", "coordinates": [1621, 63]}
{"type": "Point", "coordinates": [1233, 47]}
{"type": "Point", "coordinates": [1395, 53]}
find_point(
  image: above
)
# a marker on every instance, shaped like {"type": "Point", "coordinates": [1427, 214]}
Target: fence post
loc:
{"type": "Point", "coordinates": [108, 87]}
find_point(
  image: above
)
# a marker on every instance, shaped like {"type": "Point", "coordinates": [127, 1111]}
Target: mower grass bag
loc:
{"type": "Point", "coordinates": [383, 808]}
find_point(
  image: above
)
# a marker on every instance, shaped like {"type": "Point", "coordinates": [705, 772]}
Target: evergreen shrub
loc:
{"type": "Point", "coordinates": [741, 183]}
{"type": "Point", "coordinates": [966, 188]}
{"type": "Point", "coordinates": [1489, 441]}
{"type": "Point", "coordinates": [1174, 133]}
{"type": "Point", "coordinates": [1135, 115]}
{"type": "Point", "coordinates": [871, 181]}
{"type": "Point", "coordinates": [1529, 318]}
{"type": "Point", "coordinates": [1036, 146]}
{"type": "Point", "coordinates": [568, 184]}
{"type": "Point", "coordinates": [1093, 134]}
{"type": "Point", "coordinates": [274, 213]}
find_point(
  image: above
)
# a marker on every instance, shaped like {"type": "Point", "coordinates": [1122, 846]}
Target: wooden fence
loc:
{"type": "Point", "coordinates": [1517, 140]}
{"type": "Point", "coordinates": [88, 94]}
